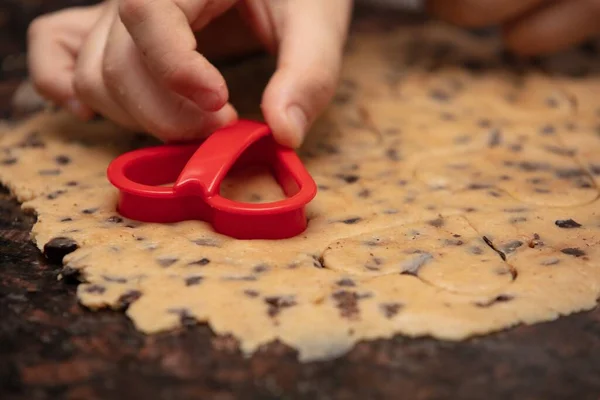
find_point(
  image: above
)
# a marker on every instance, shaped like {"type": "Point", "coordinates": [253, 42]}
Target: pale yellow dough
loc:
{"type": "Point", "coordinates": [452, 202]}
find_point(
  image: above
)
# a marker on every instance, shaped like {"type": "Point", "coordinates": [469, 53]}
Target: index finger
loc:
{"type": "Point", "coordinates": [162, 32]}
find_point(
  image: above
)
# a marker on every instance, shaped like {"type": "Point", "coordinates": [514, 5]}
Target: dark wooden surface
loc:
{"type": "Point", "coordinates": [50, 347]}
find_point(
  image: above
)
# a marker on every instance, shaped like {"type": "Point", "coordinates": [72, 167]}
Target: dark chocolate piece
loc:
{"type": "Point", "coordinates": [278, 303]}
{"type": "Point", "coordinates": [202, 261]}
{"type": "Point", "coordinates": [193, 280]}
{"type": "Point", "coordinates": [567, 223]}
{"type": "Point", "coordinates": [62, 160]}
{"type": "Point", "coordinates": [503, 298]}
{"type": "Point", "coordinates": [58, 247]}
{"type": "Point", "coordinates": [128, 298]}
{"type": "Point", "coordinates": [573, 251]}
{"type": "Point", "coordinates": [391, 309]}
{"type": "Point", "coordinates": [347, 303]}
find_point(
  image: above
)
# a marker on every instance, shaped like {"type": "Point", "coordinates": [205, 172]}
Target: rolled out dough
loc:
{"type": "Point", "coordinates": [457, 197]}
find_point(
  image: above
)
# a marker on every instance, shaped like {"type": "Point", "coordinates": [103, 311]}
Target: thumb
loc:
{"type": "Point", "coordinates": [312, 37]}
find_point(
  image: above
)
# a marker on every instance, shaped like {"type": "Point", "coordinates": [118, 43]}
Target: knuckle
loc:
{"type": "Point", "coordinates": [39, 27]}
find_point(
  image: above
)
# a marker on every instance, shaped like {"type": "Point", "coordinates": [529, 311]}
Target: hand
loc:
{"type": "Point", "coordinates": [136, 62]}
{"type": "Point", "coordinates": [531, 27]}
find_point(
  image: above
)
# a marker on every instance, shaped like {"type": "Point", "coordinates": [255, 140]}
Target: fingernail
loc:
{"type": "Point", "coordinates": [208, 100]}
{"type": "Point", "coordinates": [299, 122]}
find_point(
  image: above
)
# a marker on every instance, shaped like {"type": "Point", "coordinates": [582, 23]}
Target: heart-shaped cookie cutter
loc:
{"type": "Point", "coordinates": [198, 170]}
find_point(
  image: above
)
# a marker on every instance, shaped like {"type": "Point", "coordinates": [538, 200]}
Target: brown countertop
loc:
{"type": "Point", "coordinates": [50, 347]}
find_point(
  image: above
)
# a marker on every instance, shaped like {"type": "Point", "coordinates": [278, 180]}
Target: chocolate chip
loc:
{"type": "Point", "coordinates": [72, 183]}
{"type": "Point", "coordinates": [476, 250]}
{"type": "Point", "coordinates": [510, 247]}
{"type": "Point", "coordinates": [568, 173]}
{"type": "Point", "coordinates": [55, 194]}
{"type": "Point", "coordinates": [9, 161]}
{"type": "Point", "coordinates": [392, 154]}
{"type": "Point", "coordinates": [365, 193]}
{"type": "Point", "coordinates": [62, 160]}
{"type": "Point", "coordinates": [89, 210]}
{"type": "Point", "coordinates": [260, 268]}
{"type": "Point", "coordinates": [59, 247]}
{"type": "Point", "coordinates": [128, 298]}
{"type": "Point", "coordinates": [494, 138]}
{"type": "Point", "coordinates": [517, 220]}
{"type": "Point", "coordinates": [484, 123]}
{"type": "Point", "coordinates": [567, 223]}
{"type": "Point", "coordinates": [193, 280]}
{"type": "Point", "coordinates": [49, 172]}
{"type": "Point", "coordinates": [550, 261]}
{"type": "Point", "coordinates": [346, 282]}
{"type": "Point", "coordinates": [251, 293]}
{"type": "Point", "coordinates": [439, 95]}
{"type": "Point", "coordinates": [530, 166]}
{"type": "Point", "coordinates": [167, 262]}
{"type": "Point", "coordinates": [503, 298]}
{"type": "Point", "coordinates": [551, 102]}
{"type": "Point", "coordinates": [453, 242]}
{"type": "Point", "coordinates": [348, 178]}
{"type": "Point", "coordinates": [437, 223]}
{"type": "Point", "coordinates": [67, 219]}
{"type": "Point", "coordinates": [594, 169]}
{"type": "Point", "coordinates": [573, 251]}
{"type": "Point", "coordinates": [390, 309]}
{"type": "Point", "coordinates": [114, 219]}
{"type": "Point", "coordinates": [32, 141]}
{"type": "Point", "coordinates": [114, 279]}
{"type": "Point", "coordinates": [547, 130]}
{"type": "Point", "coordinates": [412, 266]}
{"type": "Point", "coordinates": [347, 302]}
{"type": "Point", "coordinates": [202, 261]}
{"type": "Point", "coordinates": [478, 186]}
{"type": "Point", "coordinates": [351, 221]}
{"type": "Point", "coordinates": [206, 242]}
{"type": "Point", "coordinates": [278, 303]}
{"type": "Point", "coordinates": [96, 289]}
{"type": "Point", "coordinates": [240, 278]}
{"type": "Point", "coordinates": [559, 151]}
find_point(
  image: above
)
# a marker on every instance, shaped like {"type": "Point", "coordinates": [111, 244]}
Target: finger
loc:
{"type": "Point", "coordinates": [162, 31]}
{"type": "Point", "coordinates": [554, 28]}
{"type": "Point", "coordinates": [89, 83]}
{"type": "Point", "coordinates": [53, 44]}
{"type": "Point", "coordinates": [162, 113]}
{"type": "Point", "coordinates": [480, 13]}
{"type": "Point", "coordinates": [313, 34]}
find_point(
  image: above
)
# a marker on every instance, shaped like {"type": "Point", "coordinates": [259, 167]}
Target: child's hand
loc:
{"type": "Point", "coordinates": [135, 62]}
{"type": "Point", "coordinates": [530, 27]}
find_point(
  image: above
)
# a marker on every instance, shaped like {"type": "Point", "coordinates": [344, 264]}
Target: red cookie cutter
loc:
{"type": "Point", "coordinates": [198, 170]}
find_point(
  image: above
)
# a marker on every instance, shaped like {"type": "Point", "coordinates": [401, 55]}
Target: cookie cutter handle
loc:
{"type": "Point", "coordinates": [206, 169]}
